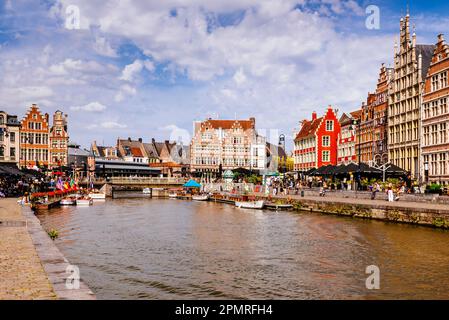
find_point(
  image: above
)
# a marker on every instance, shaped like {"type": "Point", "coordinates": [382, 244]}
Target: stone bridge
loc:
{"type": "Point", "coordinates": [117, 184]}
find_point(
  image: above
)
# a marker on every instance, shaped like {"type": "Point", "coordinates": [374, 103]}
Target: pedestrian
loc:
{"type": "Point", "coordinates": [390, 193]}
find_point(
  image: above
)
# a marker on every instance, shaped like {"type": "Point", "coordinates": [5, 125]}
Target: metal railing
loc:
{"type": "Point", "coordinates": [148, 180]}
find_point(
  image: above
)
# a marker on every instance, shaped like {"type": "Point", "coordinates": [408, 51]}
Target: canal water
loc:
{"type": "Point", "coordinates": [174, 249]}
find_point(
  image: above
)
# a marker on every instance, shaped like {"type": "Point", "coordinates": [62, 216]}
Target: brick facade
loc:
{"type": "Point", "coordinates": [435, 117]}
{"type": "Point", "coordinates": [34, 139]}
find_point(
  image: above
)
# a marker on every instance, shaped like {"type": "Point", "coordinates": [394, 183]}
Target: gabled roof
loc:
{"type": "Point", "coordinates": [308, 128]}
{"type": "Point", "coordinates": [228, 124]}
{"type": "Point", "coordinates": [136, 152]}
{"type": "Point", "coordinates": [150, 149]}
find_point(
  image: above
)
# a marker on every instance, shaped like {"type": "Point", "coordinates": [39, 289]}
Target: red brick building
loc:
{"type": "Point", "coordinates": [316, 141]}
{"type": "Point", "coordinates": [435, 117]}
{"type": "Point", "coordinates": [34, 139]}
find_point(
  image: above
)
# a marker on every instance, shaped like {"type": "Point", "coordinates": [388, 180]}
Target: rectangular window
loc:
{"type": "Point", "coordinates": [325, 157]}
{"type": "Point", "coordinates": [329, 125]}
{"type": "Point", "coordinates": [326, 141]}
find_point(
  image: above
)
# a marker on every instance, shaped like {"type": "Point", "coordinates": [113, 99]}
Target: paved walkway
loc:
{"type": "Point", "coordinates": [443, 208]}
{"type": "Point", "coordinates": [22, 276]}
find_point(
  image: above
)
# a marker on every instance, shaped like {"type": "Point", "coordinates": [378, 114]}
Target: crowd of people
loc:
{"type": "Point", "coordinates": [21, 185]}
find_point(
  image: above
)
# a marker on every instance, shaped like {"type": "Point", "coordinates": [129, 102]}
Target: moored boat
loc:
{"type": "Point", "coordinates": [146, 191]}
{"type": "Point", "coordinates": [84, 201]}
{"type": "Point", "coordinates": [97, 195]}
{"type": "Point", "coordinates": [69, 201]}
{"type": "Point", "coordinates": [200, 197]}
{"type": "Point", "coordinates": [250, 204]}
{"type": "Point", "coordinates": [173, 195]}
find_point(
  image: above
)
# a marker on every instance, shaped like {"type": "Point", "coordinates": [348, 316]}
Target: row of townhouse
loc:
{"type": "Point", "coordinates": [144, 158]}
{"type": "Point", "coordinates": [404, 122]}
{"type": "Point", "coordinates": [34, 141]}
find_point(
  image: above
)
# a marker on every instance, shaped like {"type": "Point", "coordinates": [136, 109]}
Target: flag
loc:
{"type": "Point", "coordinates": [59, 185]}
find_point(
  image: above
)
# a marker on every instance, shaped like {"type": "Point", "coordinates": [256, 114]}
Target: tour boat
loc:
{"type": "Point", "coordinates": [173, 195]}
{"type": "Point", "coordinates": [69, 201]}
{"type": "Point", "coordinates": [146, 191]}
{"type": "Point", "coordinates": [96, 195]}
{"type": "Point", "coordinates": [250, 204]}
{"type": "Point", "coordinates": [200, 197]}
{"type": "Point", "coordinates": [84, 201]}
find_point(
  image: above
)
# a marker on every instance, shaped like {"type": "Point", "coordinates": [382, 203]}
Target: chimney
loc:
{"type": "Point", "coordinates": [440, 37]}
{"type": "Point", "coordinates": [314, 116]}
{"type": "Point", "coordinates": [129, 139]}
{"type": "Point", "coordinates": [47, 118]}
{"type": "Point", "coordinates": [153, 141]}
{"type": "Point", "coordinates": [140, 140]}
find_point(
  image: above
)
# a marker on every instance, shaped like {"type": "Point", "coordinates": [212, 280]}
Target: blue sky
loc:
{"type": "Point", "coordinates": [150, 68]}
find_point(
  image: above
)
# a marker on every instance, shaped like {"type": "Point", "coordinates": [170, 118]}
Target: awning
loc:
{"type": "Point", "coordinates": [10, 170]}
{"type": "Point", "coordinates": [192, 184]}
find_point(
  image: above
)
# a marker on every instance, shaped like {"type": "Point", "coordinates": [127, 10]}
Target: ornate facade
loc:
{"type": "Point", "coordinates": [34, 139]}
{"type": "Point", "coordinates": [411, 62]}
{"type": "Point", "coordinates": [226, 144]}
{"type": "Point", "coordinates": [316, 142]}
{"type": "Point", "coordinates": [380, 106]}
{"type": "Point", "coordinates": [59, 140]}
{"type": "Point", "coordinates": [346, 150]}
{"type": "Point", "coordinates": [435, 117]}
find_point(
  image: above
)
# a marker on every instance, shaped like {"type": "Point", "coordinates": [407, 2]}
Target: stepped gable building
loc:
{"type": "Point", "coordinates": [226, 144]}
{"type": "Point", "coordinates": [380, 106]}
{"type": "Point", "coordinates": [346, 152]}
{"type": "Point", "coordinates": [435, 117]}
{"type": "Point", "coordinates": [364, 131]}
{"type": "Point", "coordinates": [411, 62]}
{"type": "Point", "coordinates": [59, 140]}
{"type": "Point", "coordinates": [34, 139]}
{"type": "Point", "coordinates": [316, 142]}
{"type": "Point", "coordinates": [9, 139]}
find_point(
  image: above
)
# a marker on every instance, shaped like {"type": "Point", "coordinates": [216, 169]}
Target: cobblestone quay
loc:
{"type": "Point", "coordinates": [31, 267]}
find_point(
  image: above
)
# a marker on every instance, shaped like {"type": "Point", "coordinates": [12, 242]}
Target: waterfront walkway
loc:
{"type": "Point", "coordinates": [21, 272]}
{"type": "Point", "coordinates": [379, 202]}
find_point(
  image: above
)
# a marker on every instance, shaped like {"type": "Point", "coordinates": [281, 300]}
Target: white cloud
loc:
{"type": "Point", "coordinates": [90, 107]}
{"type": "Point", "coordinates": [130, 71]}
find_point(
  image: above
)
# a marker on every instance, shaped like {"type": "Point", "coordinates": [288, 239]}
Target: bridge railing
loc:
{"type": "Point", "coordinates": [148, 180]}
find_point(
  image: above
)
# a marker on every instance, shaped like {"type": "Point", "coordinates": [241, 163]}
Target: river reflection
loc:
{"type": "Point", "coordinates": [174, 249]}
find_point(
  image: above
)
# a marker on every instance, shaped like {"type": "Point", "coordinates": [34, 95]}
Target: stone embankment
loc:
{"type": "Point", "coordinates": [426, 213]}
{"type": "Point", "coordinates": [31, 266]}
